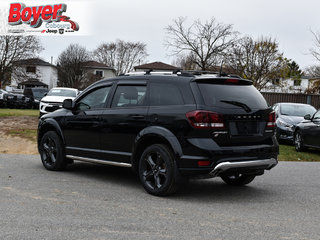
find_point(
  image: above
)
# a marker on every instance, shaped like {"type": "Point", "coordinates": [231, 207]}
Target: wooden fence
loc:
{"type": "Point", "coordinates": [311, 99]}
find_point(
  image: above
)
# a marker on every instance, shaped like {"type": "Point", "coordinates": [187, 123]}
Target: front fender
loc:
{"type": "Point", "coordinates": [49, 124]}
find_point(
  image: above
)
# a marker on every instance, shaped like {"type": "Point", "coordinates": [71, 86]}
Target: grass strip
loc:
{"type": "Point", "coordinates": [4, 112]}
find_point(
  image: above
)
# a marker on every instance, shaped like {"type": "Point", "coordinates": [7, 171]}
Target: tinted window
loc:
{"type": "Point", "coordinates": [231, 96]}
{"type": "Point", "coordinates": [94, 100]}
{"type": "Point", "coordinates": [165, 94]}
{"type": "Point", "coordinates": [39, 92]}
{"type": "Point", "coordinates": [296, 110]}
{"type": "Point", "coordinates": [127, 96]}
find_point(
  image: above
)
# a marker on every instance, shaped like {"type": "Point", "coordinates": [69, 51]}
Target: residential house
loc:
{"type": "Point", "coordinates": [156, 67]}
{"type": "Point", "coordinates": [34, 72]}
{"type": "Point", "coordinates": [302, 85]}
{"type": "Point", "coordinates": [37, 73]}
{"type": "Point", "coordinates": [99, 70]}
{"type": "Point", "coordinates": [93, 71]}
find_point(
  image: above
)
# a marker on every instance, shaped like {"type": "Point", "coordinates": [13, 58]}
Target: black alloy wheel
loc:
{"type": "Point", "coordinates": [238, 179]}
{"type": "Point", "coordinates": [51, 152]}
{"type": "Point", "coordinates": [157, 170]}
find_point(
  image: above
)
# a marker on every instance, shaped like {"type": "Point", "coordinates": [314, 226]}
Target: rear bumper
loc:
{"type": "Point", "coordinates": [253, 159]}
{"type": "Point", "coordinates": [265, 164]}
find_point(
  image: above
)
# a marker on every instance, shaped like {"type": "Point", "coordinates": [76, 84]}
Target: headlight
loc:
{"type": "Point", "coordinates": [284, 124]}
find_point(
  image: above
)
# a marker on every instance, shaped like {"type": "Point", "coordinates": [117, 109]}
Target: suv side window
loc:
{"type": "Point", "coordinates": [94, 100]}
{"type": "Point", "coordinates": [162, 94]}
{"type": "Point", "coordinates": [129, 96]}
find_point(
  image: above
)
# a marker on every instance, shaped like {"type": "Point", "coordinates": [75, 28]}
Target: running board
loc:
{"type": "Point", "coordinates": [92, 160]}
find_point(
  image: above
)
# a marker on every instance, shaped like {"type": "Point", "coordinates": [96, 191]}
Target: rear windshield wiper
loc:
{"type": "Point", "coordinates": [239, 104]}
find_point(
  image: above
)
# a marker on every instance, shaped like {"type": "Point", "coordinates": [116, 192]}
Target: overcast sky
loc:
{"type": "Point", "coordinates": [289, 22]}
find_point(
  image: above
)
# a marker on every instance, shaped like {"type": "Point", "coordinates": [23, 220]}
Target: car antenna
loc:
{"type": "Point", "coordinates": [220, 72]}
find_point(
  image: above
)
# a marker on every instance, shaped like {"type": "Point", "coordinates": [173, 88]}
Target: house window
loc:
{"type": "Point", "coordinates": [99, 73]}
{"type": "Point", "coordinates": [31, 69]}
{"type": "Point", "coordinates": [297, 82]}
{"type": "Point", "coordinates": [276, 81]}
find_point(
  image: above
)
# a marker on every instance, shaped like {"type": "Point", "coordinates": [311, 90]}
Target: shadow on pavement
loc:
{"type": "Point", "coordinates": [212, 190]}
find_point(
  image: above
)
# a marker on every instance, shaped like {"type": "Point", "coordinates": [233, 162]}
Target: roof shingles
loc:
{"type": "Point", "coordinates": [157, 66]}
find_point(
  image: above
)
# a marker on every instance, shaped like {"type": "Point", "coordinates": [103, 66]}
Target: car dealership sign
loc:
{"type": "Point", "coordinates": [44, 19]}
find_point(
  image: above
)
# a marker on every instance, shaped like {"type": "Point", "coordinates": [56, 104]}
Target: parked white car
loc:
{"type": "Point", "coordinates": [2, 92]}
{"type": "Point", "coordinates": [55, 97]}
{"type": "Point", "coordinates": [2, 100]}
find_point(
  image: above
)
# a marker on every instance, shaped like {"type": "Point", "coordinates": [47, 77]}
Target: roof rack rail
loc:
{"type": "Point", "coordinates": [149, 72]}
{"type": "Point", "coordinates": [199, 72]}
{"type": "Point", "coordinates": [182, 73]}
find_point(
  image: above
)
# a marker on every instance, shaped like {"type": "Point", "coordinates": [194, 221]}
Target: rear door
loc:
{"type": "Point", "coordinates": [169, 103]}
{"type": "Point", "coordinates": [125, 118]}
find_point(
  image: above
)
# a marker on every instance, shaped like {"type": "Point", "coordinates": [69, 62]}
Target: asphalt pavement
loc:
{"type": "Point", "coordinates": [100, 202]}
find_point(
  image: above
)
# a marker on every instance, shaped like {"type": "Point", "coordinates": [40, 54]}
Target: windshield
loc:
{"type": "Point", "coordinates": [62, 92]}
{"type": "Point", "coordinates": [231, 96]}
{"type": "Point", "coordinates": [298, 110]}
{"type": "Point", "coordinates": [39, 92]}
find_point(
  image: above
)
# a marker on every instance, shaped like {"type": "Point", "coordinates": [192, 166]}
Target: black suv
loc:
{"type": "Point", "coordinates": [166, 127]}
{"type": "Point", "coordinates": [35, 95]}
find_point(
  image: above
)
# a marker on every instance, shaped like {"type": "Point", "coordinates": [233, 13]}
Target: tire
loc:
{"type": "Point", "coordinates": [298, 142]}
{"type": "Point", "coordinates": [52, 152]}
{"type": "Point", "coordinates": [157, 170]}
{"type": "Point", "coordinates": [238, 179]}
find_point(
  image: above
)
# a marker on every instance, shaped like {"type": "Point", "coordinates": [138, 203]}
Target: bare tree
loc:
{"type": "Point", "coordinates": [70, 65]}
{"type": "Point", "coordinates": [121, 55]}
{"type": "Point", "coordinates": [313, 71]}
{"type": "Point", "coordinates": [185, 62]}
{"type": "Point", "coordinates": [15, 48]}
{"type": "Point", "coordinates": [205, 42]}
{"type": "Point", "coordinates": [314, 82]}
{"type": "Point", "coordinates": [315, 51]}
{"type": "Point", "coordinates": [259, 60]}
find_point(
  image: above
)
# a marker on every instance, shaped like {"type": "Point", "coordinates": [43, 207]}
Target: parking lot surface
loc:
{"type": "Point", "coordinates": [101, 202]}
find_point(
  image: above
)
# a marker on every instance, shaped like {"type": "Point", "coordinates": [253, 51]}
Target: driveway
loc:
{"type": "Point", "coordinates": [101, 202]}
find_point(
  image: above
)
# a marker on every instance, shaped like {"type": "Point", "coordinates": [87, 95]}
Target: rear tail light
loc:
{"type": "Point", "coordinates": [205, 119]}
{"type": "Point", "coordinates": [271, 120]}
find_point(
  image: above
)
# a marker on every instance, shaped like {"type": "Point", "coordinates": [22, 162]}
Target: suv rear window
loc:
{"type": "Point", "coordinates": [231, 96]}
